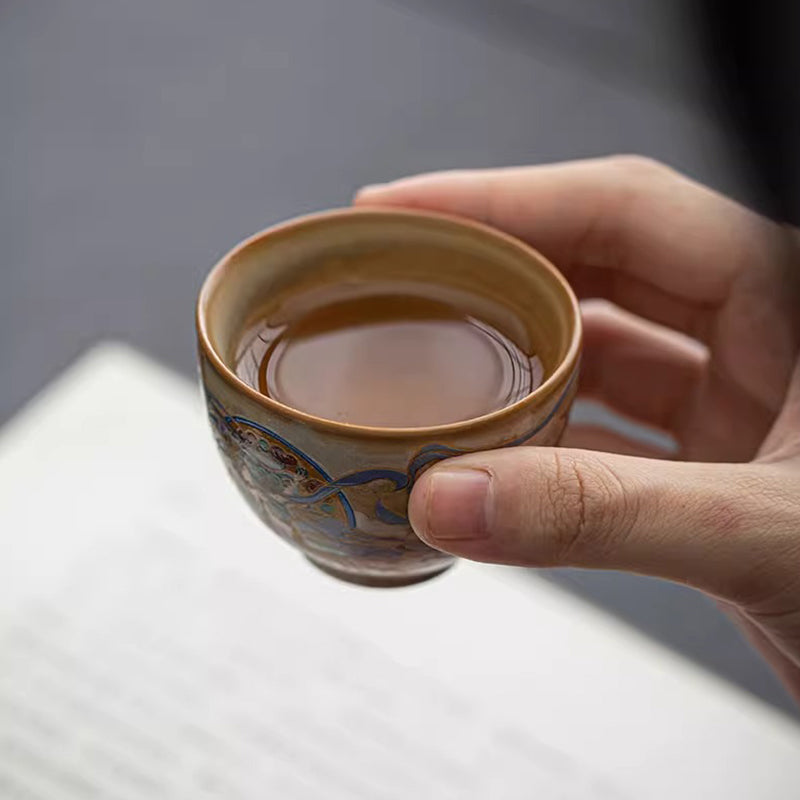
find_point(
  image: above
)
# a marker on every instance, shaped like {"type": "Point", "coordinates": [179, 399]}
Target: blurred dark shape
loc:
{"type": "Point", "coordinates": [754, 54]}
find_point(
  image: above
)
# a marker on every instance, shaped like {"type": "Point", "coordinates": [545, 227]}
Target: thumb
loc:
{"type": "Point", "coordinates": [712, 526]}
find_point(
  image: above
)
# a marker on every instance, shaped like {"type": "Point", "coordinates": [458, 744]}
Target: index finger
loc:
{"type": "Point", "coordinates": [626, 229]}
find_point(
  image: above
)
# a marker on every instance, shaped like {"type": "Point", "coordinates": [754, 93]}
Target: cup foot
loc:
{"type": "Point", "coordinates": [377, 581]}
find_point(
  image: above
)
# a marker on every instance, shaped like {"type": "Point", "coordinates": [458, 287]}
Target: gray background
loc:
{"type": "Point", "coordinates": [139, 140]}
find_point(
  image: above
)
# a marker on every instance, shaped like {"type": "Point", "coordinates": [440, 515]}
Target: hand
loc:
{"type": "Point", "coordinates": [697, 334]}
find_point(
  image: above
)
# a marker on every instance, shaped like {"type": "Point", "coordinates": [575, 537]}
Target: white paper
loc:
{"type": "Point", "coordinates": [157, 641]}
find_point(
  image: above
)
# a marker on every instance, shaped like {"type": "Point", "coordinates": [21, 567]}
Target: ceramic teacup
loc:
{"type": "Point", "coordinates": [339, 491]}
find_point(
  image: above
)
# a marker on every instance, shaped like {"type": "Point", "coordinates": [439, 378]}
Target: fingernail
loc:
{"type": "Point", "coordinates": [457, 506]}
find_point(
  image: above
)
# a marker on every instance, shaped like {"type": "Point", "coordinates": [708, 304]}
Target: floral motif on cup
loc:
{"type": "Point", "coordinates": [265, 461]}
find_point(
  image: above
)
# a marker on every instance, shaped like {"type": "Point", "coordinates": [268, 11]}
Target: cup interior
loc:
{"type": "Point", "coordinates": [287, 269]}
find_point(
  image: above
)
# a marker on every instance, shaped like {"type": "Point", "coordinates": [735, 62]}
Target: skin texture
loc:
{"type": "Point", "coordinates": [692, 323]}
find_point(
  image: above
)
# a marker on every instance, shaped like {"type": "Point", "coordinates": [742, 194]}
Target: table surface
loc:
{"type": "Point", "coordinates": [139, 141]}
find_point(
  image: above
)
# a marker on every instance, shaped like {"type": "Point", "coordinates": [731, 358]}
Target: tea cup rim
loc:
{"type": "Point", "coordinates": [557, 379]}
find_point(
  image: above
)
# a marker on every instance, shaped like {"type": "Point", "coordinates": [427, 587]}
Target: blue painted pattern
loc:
{"type": "Point", "coordinates": [301, 481]}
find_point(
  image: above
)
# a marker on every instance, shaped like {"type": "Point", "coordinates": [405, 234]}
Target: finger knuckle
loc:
{"type": "Point", "coordinates": [584, 507]}
{"type": "Point", "coordinates": [626, 184]}
{"type": "Point", "coordinates": [636, 167]}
